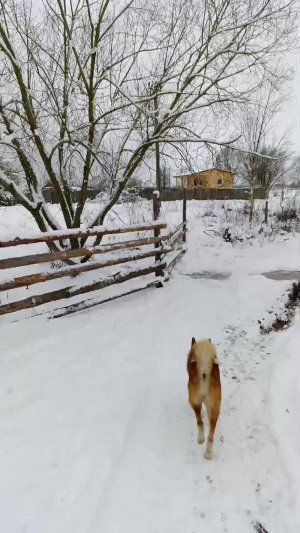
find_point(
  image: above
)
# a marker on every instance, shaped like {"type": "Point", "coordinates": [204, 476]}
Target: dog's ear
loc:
{"type": "Point", "coordinates": [209, 340]}
{"type": "Point", "coordinates": [193, 341]}
{"type": "Point", "coordinates": [216, 360]}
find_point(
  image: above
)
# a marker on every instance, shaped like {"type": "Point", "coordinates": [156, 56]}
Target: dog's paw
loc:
{"type": "Point", "coordinates": [208, 454]}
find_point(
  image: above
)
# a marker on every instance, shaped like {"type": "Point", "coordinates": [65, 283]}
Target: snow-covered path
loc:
{"type": "Point", "coordinates": [96, 435]}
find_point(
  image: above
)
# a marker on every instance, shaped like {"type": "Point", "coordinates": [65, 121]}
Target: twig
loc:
{"type": "Point", "coordinates": [259, 528]}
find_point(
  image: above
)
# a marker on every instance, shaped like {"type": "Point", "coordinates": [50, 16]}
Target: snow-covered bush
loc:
{"type": "Point", "coordinates": [6, 199]}
{"type": "Point", "coordinates": [289, 214]}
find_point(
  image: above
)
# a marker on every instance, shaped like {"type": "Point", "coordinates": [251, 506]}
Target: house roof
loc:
{"type": "Point", "coordinates": [48, 185]}
{"type": "Point", "coordinates": [202, 171]}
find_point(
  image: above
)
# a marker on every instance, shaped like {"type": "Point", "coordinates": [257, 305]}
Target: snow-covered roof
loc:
{"type": "Point", "coordinates": [202, 171]}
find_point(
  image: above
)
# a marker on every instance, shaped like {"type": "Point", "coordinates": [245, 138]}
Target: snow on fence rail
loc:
{"type": "Point", "coordinates": [27, 260]}
{"type": "Point", "coordinates": [72, 271]}
{"type": "Point", "coordinates": [61, 235]}
{"type": "Point", "coordinates": [130, 252]}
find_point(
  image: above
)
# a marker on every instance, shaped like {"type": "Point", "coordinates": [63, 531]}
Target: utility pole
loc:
{"type": "Point", "coordinates": [157, 153]}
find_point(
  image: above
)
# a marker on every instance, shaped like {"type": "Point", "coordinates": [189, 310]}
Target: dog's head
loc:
{"type": "Point", "coordinates": [194, 341]}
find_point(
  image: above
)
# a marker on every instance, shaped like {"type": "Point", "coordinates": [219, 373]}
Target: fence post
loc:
{"type": "Point", "coordinates": [184, 216]}
{"type": "Point", "coordinates": [156, 213]}
{"type": "Point", "coordinates": [266, 210]}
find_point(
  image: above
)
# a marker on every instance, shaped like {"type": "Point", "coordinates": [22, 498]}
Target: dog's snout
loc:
{"type": "Point", "coordinates": [204, 375]}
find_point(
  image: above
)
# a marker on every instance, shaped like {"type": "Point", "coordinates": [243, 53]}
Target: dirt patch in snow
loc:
{"type": "Point", "coordinates": [281, 275]}
{"type": "Point", "coordinates": [208, 275]}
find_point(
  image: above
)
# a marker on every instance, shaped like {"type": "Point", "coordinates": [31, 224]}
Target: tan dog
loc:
{"type": "Point", "coordinates": [204, 386]}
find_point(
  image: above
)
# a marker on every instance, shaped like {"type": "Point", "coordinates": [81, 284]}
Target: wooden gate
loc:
{"type": "Point", "coordinates": [73, 263]}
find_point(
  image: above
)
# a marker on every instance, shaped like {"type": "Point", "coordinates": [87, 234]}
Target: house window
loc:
{"type": "Point", "coordinates": [220, 181]}
{"type": "Point", "coordinates": [198, 182]}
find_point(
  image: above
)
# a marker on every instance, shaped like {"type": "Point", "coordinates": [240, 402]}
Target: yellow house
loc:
{"type": "Point", "coordinates": [212, 178]}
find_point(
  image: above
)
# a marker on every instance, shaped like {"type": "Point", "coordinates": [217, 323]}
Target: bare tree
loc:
{"type": "Point", "coordinates": [261, 161]}
{"type": "Point", "coordinates": [227, 158]}
{"type": "Point", "coordinates": [294, 172]}
{"type": "Point", "coordinates": [89, 87]}
{"type": "Point", "coordinates": [271, 166]}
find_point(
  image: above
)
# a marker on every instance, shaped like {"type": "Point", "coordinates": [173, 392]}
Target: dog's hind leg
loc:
{"type": "Point", "coordinates": [201, 436]}
{"type": "Point", "coordinates": [213, 415]}
{"type": "Point", "coordinates": [213, 405]}
{"type": "Point", "coordinates": [193, 388]}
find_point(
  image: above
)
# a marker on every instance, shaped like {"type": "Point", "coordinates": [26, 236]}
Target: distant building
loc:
{"type": "Point", "coordinates": [50, 195]}
{"type": "Point", "coordinates": [212, 178]}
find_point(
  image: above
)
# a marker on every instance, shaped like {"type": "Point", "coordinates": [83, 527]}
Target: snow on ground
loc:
{"type": "Point", "coordinates": [285, 395]}
{"type": "Point", "coordinates": [96, 434]}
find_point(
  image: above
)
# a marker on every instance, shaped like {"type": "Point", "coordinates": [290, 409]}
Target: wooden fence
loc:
{"type": "Point", "coordinates": [140, 248]}
{"type": "Point", "coordinates": [171, 195]}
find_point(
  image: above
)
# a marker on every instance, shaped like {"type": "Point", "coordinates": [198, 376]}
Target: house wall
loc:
{"type": "Point", "coordinates": [199, 180]}
{"type": "Point", "coordinates": [206, 180]}
{"type": "Point", "coordinates": [181, 182]}
{"type": "Point", "coordinates": [211, 178]}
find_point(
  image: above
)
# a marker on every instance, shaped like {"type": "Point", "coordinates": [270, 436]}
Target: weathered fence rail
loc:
{"type": "Point", "coordinates": [27, 260]}
{"type": "Point", "coordinates": [62, 235]}
{"type": "Point", "coordinates": [71, 291]}
{"type": "Point", "coordinates": [129, 251]}
{"type": "Point", "coordinates": [32, 279]}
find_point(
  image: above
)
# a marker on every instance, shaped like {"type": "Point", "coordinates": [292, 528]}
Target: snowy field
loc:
{"type": "Point", "coordinates": [96, 435]}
